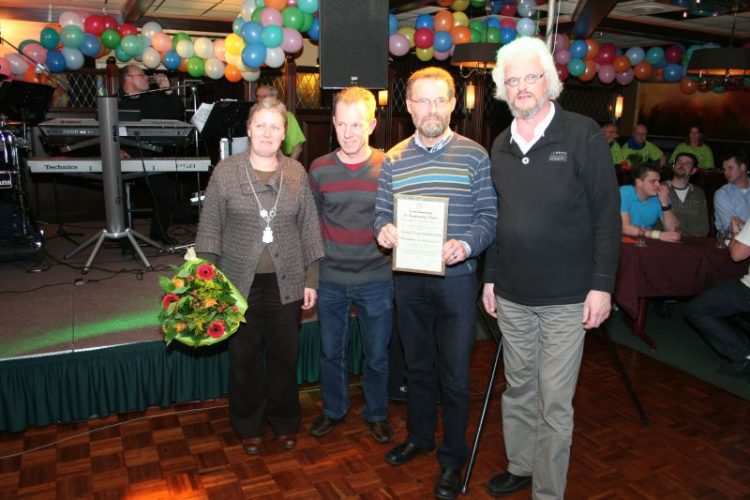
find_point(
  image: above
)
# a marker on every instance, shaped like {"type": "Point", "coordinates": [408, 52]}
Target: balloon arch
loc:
{"type": "Point", "coordinates": [266, 31]}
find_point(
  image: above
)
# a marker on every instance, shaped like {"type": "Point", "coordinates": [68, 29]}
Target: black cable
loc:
{"type": "Point", "coordinates": [159, 223]}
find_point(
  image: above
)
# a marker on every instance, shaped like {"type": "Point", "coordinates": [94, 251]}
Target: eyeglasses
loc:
{"type": "Point", "coordinates": [438, 102]}
{"type": "Point", "coordinates": [530, 79]}
{"type": "Point", "coordinates": [136, 75]}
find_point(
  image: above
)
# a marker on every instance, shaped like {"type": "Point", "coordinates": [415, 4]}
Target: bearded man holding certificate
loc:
{"type": "Point", "coordinates": [436, 305]}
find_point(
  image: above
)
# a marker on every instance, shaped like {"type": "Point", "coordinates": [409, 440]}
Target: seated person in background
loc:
{"type": "Point", "coordinates": [688, 200]}
{"type": "Point", "coordinates": [638, 147]}
{"type": "Point", "coordinates": [696, 147]}
{"type": "Point", "coordinates": [164, 105]}
{"type": "Point", "coordinates": [733, 198]}
{"type": "Point", "coordinates": [646, 202]}
{"type": "Point", "coordinates": [294, 139]}
{"type": "Point", "coordinates": [610, 133]}
{"type": "Point", "coordinates": [714, 313]}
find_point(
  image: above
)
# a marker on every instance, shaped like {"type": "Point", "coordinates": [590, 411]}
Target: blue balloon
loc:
{"type": "Point", "coordinates": [91, 45]}
{"type": "Point", "coordinates": [578, 50]}
{"type": "Point", "coordinates": [392, 24]}
{"type": "Point", "coordinates": [507, 35]}
{"type": "Point", "coordinates": [55, 61]}
{"type": "Point", "coordinates": [121, 55]}
{"type": "Point", "coordinates": [171, 60]}
{"type": "Point", "coordinates": [314, 31]}
{"type": "Point", "coordinates": [254, 55]}
{"type": "Point", "coordinates": [424, 21]}
{"type": "Point", "coordinates": [635, 54]}
{"type": "Point", "coordinates": [673, 72]}
{"type": "Point", "coordinates": [237, 25]}
{"type": "Point", "coordinates": [527, 27]}
{"type": "Point", "coordinates": [443, 41]}
{"type": "Point", "coordinates": [251, 32]}
{"type": "Point", "coordinates": [272, 36]}
{"type": "Point", "coordinates": [493, 22]}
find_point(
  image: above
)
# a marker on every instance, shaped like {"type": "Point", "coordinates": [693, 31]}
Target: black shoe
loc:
{"type": "Point", "coordinates": [505, 483]}
{"type": "Point", "coordinates": [381, 431]}
{"type": "Point", "coordinates": [323, 425]}
{"type": "Point", "coordinates": [404, 453]}
{"type": "Point", "coordinates": [736, 368]}
{"type": "Point", "coordinates": [448, 484]}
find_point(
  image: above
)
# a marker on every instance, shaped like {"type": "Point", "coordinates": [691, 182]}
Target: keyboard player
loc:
{"type": "Point", "coordinates": [153, 105]}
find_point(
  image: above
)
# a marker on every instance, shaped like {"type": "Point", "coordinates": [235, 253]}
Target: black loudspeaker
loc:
{"type": "Point", "coordinates": [354, 44]}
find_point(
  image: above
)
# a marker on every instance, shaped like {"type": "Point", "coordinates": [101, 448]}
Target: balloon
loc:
{"type": "Point", "coordinates": [461, 34]}
{"type": "Point", "coordinates": [607, 54]}
{"type": "Point", "coordinates": [460, 19]}
{"type": "Point", "coordinates": [185, 49]}
{"type": "Point", "coordinates": [308, 6]}
{"type": "Point", "coordinates": [408, 32]}
{"type": "Point", "coordinates": [576, 67]}
{"type": "Point", "coordinates": [161, 42]}
{"type": "Point", "coordinates": [460, 5]}
{"type": "Point", "coordinates": [642, 70]}
{"type": "Point", "coordinates": [291, 41]}
{"type": "Point", "coordinates": [624, 78]}
{"type": "Point", "coordinates": [562, 71]}
{"type": "Point", "coordinates": [151, 57]}
{"type": "Point", "coordinates": [55, 61]}
{"type": "Point", "coordinates": [131, 45]}
{"type": "Point", "coordinates": [110, 23]}
{"type": "Point", "coordinates": [195, 67]}
{"type": "Point", "coordinates": [110, 38]}
{"type": "Point", "coordinates": [477, 3]}
{"type": "Point", "coordinates": [36, 52]}
{"type": "Point", "coordinates": [150, 29]}
{"type": "Point", "coordinates": [272, 36]}
{"type": "Point", "coordinates": [121, 55]}
{"type": "Point", "coordinates": [256, 15]}
{"type": "Point", "coordinates": [293, 18]}
{"type": "Point", "coordinates": [424, 54]}
{"type": "Point", "coordinates": [563, 57]}
{"type": "Point", "coordinates": [94, 24]}
{"type": "Point", "coordinates": [171, 60]}
{"type": "Point", "coordinates": [232, 74]}
{"type": "Point", "coordinates": [561, 42]}
{"type": "Point", "coordinates": [493, 35]}
{"type": "Point", "coordinates": [688, 86]}
{"type": "Point", "coordinates": [220, 50]}
{"type": "Point", "coordinates": [307, 21]}
{"type": "Point", "coordinates": [527, 27]}
{"type": "Point", "coordinates": [71, 36]}
{"type": "Point", "coordinates": [607, 73]}
{"type": "Point", "coordinates": [73, 58]}
{"type": "Point", "coordinates": [423, 38]}
{"type": "Point", "coordinates": [314, 31]}
{"type": "Point", "coordinates": [49, 38]}
{"type": "Point", "coordinates": [444, 3]}
{"type": "Point", "coordinates": [673, 54]}
{"type": "Point", "coordinates": [271, 17]}
{"type": "Point", "coordinates": [4, 67]}
{"type": "Point", "coordinates": [441, 56]}
{"type": "Point", "coordinates": [578, 50]}
{"type": "Point", "coordinates": [673, 73]}
{"type": "Point", "coordinates": [178, 37]}
{"type": "Point", "coordinates": [443, 41]}
{"type": "Point", "coordinates": [592, 49]}
{"type": "Point", "coordinates": [203, 47]}
{"type": "Point", "coordinates": [492, 22]}
{"type": "Point", "coordinates": [275, 57]}
{"type": "Point", "coordinates": [251, 32]}
{"type": "Point", "coordinates": [70, 18]}
{"type": "Point", "coordinates": [254, 55]}
{"type": "Point", "coordinates": [127, 29]}
{"type": "Point", "coordinates": [247, 9]}
{"type": "Point", "coordinates": [398, 45]}
{"type": "Point", "coordinates": [393, 24]}
{"type": "Point", "coordinates": [275, 4]}
{"type": "Point", "coordinates": [424, 21]}
{"type": "Point", "coordinates": [90, 46]}
{"type": "Point", "coordinates": [476, 34]}
{"type": "Point", "coordinates": [635, 54]}
{"type": "Point", "coordinates": [589, 72]}
{"type": "Point", "coordinates": [621, 64]}
{"type": "Point", "coordinates": [655, 55]}
{"type": "Point", "coordinates": [508, 10]}
{"type": "Point", "coordinates": [213, 68]}
{"type": "Point", "coordinates": [526, 9]}
{"type": "Point", "coordinates": [507, 22]}
{"type": "Point", "coordinates": [443, 21]}
{"type": "Point", "coordinates": [234, 44]}
{"type": "Point", "coordinates": [18, 65]}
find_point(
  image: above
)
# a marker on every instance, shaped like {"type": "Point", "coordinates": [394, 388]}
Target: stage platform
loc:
{"type": "Point", "coordinates": [73, 346]}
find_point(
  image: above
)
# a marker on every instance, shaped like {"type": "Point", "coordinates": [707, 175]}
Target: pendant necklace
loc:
{"type": "Point", "coordinates": [265, 214]}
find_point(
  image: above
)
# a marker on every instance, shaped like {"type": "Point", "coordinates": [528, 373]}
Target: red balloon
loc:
{"type": "Point", "coordinates": [562, 71]}
{"type": "Point", "coordinates": [642, 70]}
{"type": "Point", "coordinates": [658, 74]}
{"type": "Point", "coordinates": [423, 38]}
{"type": "Point", "coordinates": [508, 9]}
{"type": "Point", "coordinates": [674, 54]}
{"type": "Point", "coordinates": [621, 64]}
{"type": "Point", "coordinates": [128, 29]}
{"type": "Point", "coordinates": [507, 22]}
{"type": "Point", "coordinates": [94, 24]}
{"type": "Point", "coordinates": [607, 54]}
{"type": "Point", "coordinates": [110, 23]}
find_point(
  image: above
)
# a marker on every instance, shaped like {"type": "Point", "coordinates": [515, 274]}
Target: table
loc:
{"type": "Point", "coordinates": [662, 269]}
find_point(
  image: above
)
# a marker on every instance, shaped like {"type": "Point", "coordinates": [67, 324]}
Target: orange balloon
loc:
{"type": "Point", "coordinates": [593, 46]}
{"type": "Point", "coordinates": [688, 86]}
{"type": "Point", "coordinates": [621, 64]}
{"type": "Point", "coordinates": [276, 4]}
{"type": "Point", "coordinates": [642, 70]}
{"type": "Point", "coordinates": [444, 3]}
{"type": "Point", "coordinates": [443, 21]}
{"type": "Point", "coordinates": [658, 74]}
{"type": "Point", "coordinates": [590, 72]}
{"type": "Point", "coordinates": [29, 75]}
{"type": "Point", "coordinates": [183, 65]}
{"type": "Point", "coordinates": [461, 34]}
{"type": "Point", "coordinates": [232, 73]}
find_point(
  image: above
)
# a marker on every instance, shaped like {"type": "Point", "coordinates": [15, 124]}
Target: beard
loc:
{"type": "Point", "coordinates": [433, 128]}
{"type": "Point", "coordinates": [681, 174]}
{"type": "Point", "coordinates": [526, 113]}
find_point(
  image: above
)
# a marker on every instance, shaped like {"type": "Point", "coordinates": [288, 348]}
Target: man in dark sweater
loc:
{"type": "Point", "coordinates": [354, 270]}
{"type": "Point", "coordinates": [551, 272]}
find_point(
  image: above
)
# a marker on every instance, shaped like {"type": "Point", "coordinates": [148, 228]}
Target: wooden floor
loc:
{"type": "Point", "coordinates": [697, 446]}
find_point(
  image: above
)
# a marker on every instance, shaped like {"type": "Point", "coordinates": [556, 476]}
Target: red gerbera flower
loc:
{"type": "Point", "coordinates": [168, 299]}
{"type": "Point", "coordinates": [205, 272]}
{"type": "Point", "coordinates": [216, 329]}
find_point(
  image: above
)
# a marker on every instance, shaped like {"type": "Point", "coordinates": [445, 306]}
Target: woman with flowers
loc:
{"type": "Point", "coordinates": [260, 226]}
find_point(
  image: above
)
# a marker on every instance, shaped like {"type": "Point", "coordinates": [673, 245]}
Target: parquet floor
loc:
{"type": "Point", "coordinates": [697, 446]}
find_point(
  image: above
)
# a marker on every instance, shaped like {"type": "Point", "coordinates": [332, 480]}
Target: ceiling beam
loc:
{"type": "Point", "coordinates": [399, 6]}
{"type": "Point", "coordinates": [588, 14]}
{"type": "Point", "coordinates": [192, 25]}
{"type": "Point", "coordinates": [135, 9]}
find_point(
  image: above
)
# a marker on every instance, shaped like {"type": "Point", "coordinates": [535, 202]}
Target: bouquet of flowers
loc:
{"type": "Point", "coordinates": [200, 306]}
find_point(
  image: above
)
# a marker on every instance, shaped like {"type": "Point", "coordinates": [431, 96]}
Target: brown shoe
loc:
{"type": "Point", "coordinates": [252, 446]}
{"type": "Point", "coordinates": [381, 431]}
{"type": "Point", "coordinates": [287, 441]}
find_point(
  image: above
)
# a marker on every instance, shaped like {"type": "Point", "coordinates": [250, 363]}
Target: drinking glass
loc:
{"type": "Point", "coordinates": [640, 240]}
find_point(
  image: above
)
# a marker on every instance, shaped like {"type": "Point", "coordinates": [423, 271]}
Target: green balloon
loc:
{"type": "Point", "coordinates": [493, 35]}
{"type": "Point", "coordinates": [476, 35]}
{"type": "Point", "coordinates": [49, 38]}
{"type": "Point", "coordinates": [179, 37]}
{"type": "Point", "coordinates": [477, 3]}
{"type": "Point", "coordinates": [306, 22]}
{"type": "Point", "coordinates": [132, 45]}
{"type": "Point", "coordinates": [477, 25]}
{"type": "Point", "coordinates": [121, 55]}
{"type": "Point", "coordinates": [196, 66]}
{"type": "Point", "coordinates": [292, 17]}
{"type": "Point", "coordinates": [256, 14]}
{"type": "Point", "coordinates": [111, 38]}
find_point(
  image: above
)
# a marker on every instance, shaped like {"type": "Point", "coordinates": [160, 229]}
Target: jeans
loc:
{"type": "Point", "coordinates": [437, 325]}
{"type": "Point", "coordinates": [374, 303]}
{"type": "Point", "coordinates": [711, 313]}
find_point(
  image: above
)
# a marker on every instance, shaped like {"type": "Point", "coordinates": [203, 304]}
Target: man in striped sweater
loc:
{"type": "Point", "coordinates": [436, 314]}
{"type": "Point", "coordinates": [354, 270]}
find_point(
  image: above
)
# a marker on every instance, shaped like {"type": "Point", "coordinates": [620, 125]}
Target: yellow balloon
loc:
{"type": "Point", "coordinates": [408, 32]}
{"type": "Point", "coordinates": [460, 19]}
{"type": "Point", "coordinates": [234, 44]}
{"type": "Point", "coordinates": [425, 54]}
{"type": "Point", "coordinates": [460, 5]}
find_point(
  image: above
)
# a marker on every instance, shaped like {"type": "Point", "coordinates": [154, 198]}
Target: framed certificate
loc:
{"type": "Point", "coordinates": [422, 223]}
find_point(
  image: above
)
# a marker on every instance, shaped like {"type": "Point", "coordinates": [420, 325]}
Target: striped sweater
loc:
{"type": "Point", "coordinates": [345, 199]}
{"type": "Point", "coordinates": [459, 171]}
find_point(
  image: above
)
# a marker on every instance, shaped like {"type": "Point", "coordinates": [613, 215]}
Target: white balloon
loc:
{"type": "Point", "coordinates": [252, 75]}
{"type": "Point", "coordinates": [73, 58]}
{"type": "Point", "coordinates": [247, 9]}
{"type": "Point", "coordinates": [236, 61]}
{"type": "Point", "coordinates": [185, 49]}
{"type": "Point", "coordinates": [214, 68]}
{"type": "Point", "coordinates": [275, 57]}
{"type": "Point", "coordinates": [204, 47]}
{"type": "Point", "coordinates": [150, 29]}
{"type": "Point", "coordinates": [70, 18]}
{"type": "Point", "coordinates": [151, 57]}
{"type": "Point", "coordinates": [17, 64]}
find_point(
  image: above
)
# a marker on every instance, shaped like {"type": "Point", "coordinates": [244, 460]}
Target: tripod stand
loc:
{"type": "Point", "coordinates": [112, 184]}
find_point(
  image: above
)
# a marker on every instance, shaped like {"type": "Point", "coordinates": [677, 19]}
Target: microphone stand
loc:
{"type": "Point", "coordinates": [166, 89]}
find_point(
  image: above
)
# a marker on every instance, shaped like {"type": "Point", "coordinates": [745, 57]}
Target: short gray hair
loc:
{"type": "Point", "coordinates": [523, 48]}
{"type": "Point", "coordinates": [269, 103]}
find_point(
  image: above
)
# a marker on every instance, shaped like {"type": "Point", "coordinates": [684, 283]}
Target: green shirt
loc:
{"type": "Point", "coordinates": [293, 135]}
{"type": "Point", "coordinates": [703, 153]}
{"type": "Point", "coordinates": [649, 151]}
{"type": "Point", "coordinates": [617, 156]}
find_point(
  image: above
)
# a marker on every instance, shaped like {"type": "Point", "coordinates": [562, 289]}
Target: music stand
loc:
{"type": "Point", "coordinates": [227, 119]}
{"type": "Point", "coordinates": [24, 101]}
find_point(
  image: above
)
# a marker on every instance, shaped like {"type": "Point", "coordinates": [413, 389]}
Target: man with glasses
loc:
{"type": "Point", "coordinates": [355, 271]}
{"type": "Point", "coordinates": [550, 274]}
{"type": "Point", "coordinates": [436, 314]}
{"type": "Point", "coordinates": [687, 200]}
{"type": "Point", "coordinates": [640, 149]}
